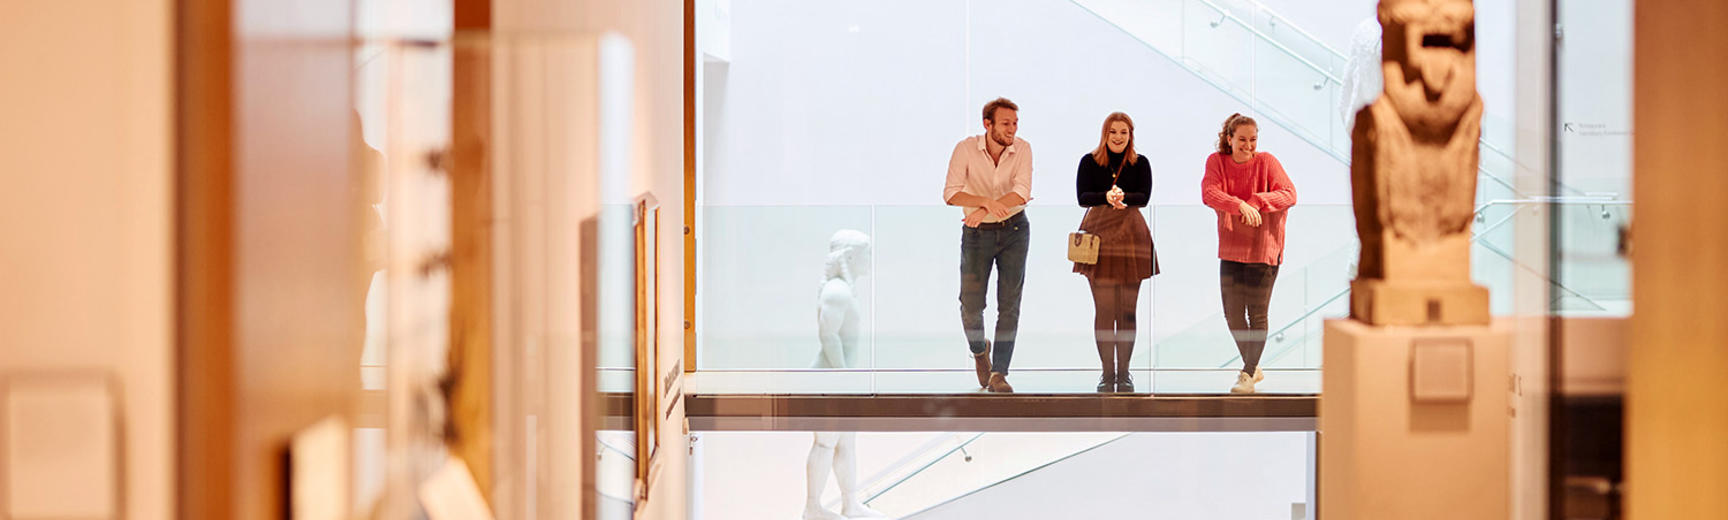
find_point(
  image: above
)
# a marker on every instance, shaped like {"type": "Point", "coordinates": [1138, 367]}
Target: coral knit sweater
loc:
{"type": "Point", "coordinates": [1262, 184]}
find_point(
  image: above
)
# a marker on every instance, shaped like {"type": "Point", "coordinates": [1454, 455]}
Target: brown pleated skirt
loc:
{"type": "Point", "coordinates": [1125, 251]}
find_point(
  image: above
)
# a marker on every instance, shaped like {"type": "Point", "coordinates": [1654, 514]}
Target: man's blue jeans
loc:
{"type": "Point", "coordinates": [1003, 247]}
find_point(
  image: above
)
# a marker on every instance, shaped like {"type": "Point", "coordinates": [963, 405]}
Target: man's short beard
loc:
{"type": "Point", "coordinates": [998, 140]}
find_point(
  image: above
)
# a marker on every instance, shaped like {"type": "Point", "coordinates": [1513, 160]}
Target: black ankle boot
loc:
{"type": "Point", "coordinates": [1124, 382]}
{"type": "Point", "coordinates": [1106, 383]}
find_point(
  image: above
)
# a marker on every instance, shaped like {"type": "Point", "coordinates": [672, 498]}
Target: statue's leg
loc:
{"type": "Point", "coordinates": [816, 468]}
{"type": "Point", "coordinates": [846, 474]}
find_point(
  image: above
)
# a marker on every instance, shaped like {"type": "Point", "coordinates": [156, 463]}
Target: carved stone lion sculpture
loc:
{"type": "Point", "coordinates": [1413, 171]}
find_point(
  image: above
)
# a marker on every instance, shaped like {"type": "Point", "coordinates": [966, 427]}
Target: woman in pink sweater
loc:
{"type": "Point", "coordinates": [1250, 192]}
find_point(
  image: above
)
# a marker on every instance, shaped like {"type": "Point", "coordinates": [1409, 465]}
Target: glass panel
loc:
{"type": "Point", "coordinates": [1188, 320]}
{"type": "Point", "coordinates": [762, 315]}
{"type": "Point", "coordinates": [762, 312]}
{"type": "Point", "coordinates": [1294, 91]}
{"type": "Point", "coordinates": [1218, 48]}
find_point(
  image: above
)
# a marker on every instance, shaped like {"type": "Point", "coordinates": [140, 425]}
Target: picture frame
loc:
{"type": "Point", "coordinates": [648, 383]}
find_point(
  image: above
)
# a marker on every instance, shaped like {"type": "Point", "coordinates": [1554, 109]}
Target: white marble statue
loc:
{"type": "Point", "coordinates": [1361, 78]}
{"type": "Point", "coordinates": [839, 319]}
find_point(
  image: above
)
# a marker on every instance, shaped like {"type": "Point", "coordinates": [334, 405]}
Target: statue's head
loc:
{"type": "Point", "coordinates": [1429, 61]}
{"type": "Point", "coordinates": [848, 254]}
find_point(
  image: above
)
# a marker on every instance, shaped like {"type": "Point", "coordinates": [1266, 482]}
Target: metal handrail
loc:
{"type": "Point", "coordinates": [926, 466]}
{"type": "Point", "coordinates": [1299, 30]}
{"type": "Point", "coordinates": [609, 446]}
{"type": "Point", "coordinates": [1585, 200]}
{"type": "Point", "coordinates": [987, 486]}
{"type": "Point", "coordinates": [1269, 40]}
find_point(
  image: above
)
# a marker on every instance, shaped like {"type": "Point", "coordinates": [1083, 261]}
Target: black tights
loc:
{"type": "Point", "coordinates": [1247, 290]}
{"type": "Point", "coordinates": [1113, 304]}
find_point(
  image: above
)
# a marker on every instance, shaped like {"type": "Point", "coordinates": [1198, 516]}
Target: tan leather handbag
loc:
{"type": "Point", "coordinates": [1083, 246]}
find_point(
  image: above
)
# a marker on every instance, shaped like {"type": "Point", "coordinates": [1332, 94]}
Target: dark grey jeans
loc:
{"type": "Point", "coordinates": [1003, 247]}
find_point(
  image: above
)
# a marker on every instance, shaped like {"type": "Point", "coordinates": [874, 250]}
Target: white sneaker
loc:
{"type": "Point", "coordinates": [1244, 383]}
{"type": "Point", "coordinates": [1258, 375]}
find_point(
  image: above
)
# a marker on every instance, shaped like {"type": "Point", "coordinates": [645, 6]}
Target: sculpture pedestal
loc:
{"type": "Point", "coordinates": [1414, 422]}
{"type": "Point", "coordinates": [1405, 303]}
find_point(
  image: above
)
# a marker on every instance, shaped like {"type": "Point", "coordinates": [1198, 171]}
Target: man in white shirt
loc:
{"type": "Point", "coordinates": [990, 177]}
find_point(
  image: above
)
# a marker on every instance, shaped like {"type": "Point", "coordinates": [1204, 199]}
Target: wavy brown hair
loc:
{"type": "Point", "coordinates": [1001, 102]}
{"type": "Point", "coordinates": [1230, 126]}
{"type": "Point", "coordinates": [1102, 154]}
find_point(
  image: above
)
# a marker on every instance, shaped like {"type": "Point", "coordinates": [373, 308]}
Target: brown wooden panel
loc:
{"type": "Point", "coordinates": [1676, 461]}
{"type": "Point", "coordinates": [689, 186]}
{"type": "Point", "coordinates": [204, 263]}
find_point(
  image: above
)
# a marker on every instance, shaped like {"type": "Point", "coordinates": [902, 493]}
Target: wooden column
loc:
{"type": "Point", "coordinates": [204, 264]}
{"type": "Point", "coordinates": [1676, 410]}
{"type": "Point", "coordinates": [689, 186]}
{"type": "Point", "coordinates": [470, 355]}
{"type": "Point", "coordinates": [271, 280]}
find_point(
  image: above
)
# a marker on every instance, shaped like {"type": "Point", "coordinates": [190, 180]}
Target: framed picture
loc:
{"type": "Point", "coordinates": [648, 391]}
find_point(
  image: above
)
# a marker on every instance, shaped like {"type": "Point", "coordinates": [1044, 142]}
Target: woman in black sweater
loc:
{"type": "Point", "coordinates": [1113, 183]}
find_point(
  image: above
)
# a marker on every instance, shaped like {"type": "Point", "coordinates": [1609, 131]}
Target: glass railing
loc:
{"type": "Point", "coordinates": [1189, 328]}
{"type": "Point", "coordinates": [1589, 278]}
{"type": "Point", "coordinates": [760, 315]}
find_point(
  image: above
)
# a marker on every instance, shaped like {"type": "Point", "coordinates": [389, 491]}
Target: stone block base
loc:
{"type": "Point", "coordinates": [1378, 302]}
{"type": "Point", "coordinates": [1414, 423]}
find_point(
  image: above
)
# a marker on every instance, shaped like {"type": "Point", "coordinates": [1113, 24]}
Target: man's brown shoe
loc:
{"type": "Point", "coordinates": [981, 362]}
{"type": "Point", "coordinates": [999, 383]}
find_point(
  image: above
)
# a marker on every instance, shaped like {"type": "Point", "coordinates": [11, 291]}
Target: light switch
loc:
{"type": "Point", "coordinates": [1440, 370]}
{"type": "Point", "coordinates": [61, 450]}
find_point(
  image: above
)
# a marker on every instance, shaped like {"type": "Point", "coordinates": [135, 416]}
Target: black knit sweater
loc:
{"type": "Point", "coordinates": [1092, 181]}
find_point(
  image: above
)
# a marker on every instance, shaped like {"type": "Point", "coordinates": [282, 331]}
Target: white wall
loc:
{"type": "Point", "coordinates": [868, 106]}
{"type": "Point", "coordinates": [87, 217]}
{"type": "Point", "coordinates": [749, 475]}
